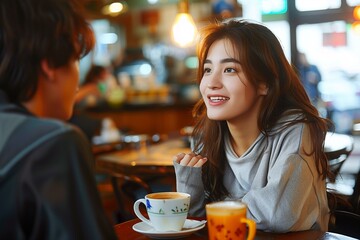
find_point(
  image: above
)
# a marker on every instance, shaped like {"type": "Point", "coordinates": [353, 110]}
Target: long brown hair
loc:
{"type": "Point", "coordinates": [263, 61]}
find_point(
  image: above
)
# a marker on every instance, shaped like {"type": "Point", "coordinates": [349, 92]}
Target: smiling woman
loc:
{"type": "Point", "coordinates": [257, 137]}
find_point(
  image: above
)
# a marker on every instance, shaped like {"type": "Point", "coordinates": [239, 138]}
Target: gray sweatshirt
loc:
{"type": "Point", "coordinates": [274, 177]}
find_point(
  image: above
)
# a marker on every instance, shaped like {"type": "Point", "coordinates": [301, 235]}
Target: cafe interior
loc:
{"type": "Point", "coordinates": [143, 114]}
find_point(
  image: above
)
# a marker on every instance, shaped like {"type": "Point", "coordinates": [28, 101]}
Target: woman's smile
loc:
{"type": "Point", "coordinates": [217, 100]}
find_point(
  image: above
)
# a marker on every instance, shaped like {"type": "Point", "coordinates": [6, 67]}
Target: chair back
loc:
{"type": "Point", "coordinates": [355, 197]}
{"type": "Point", "coordinates": [337, 149]}
{"type": "Point", "coordinates": [345, 223]}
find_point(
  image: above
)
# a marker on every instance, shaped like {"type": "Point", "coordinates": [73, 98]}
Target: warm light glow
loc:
{"type": "Point", "coordinates": [184, 30]}
{"type": "Point", "coordinates": [356, 27]}
{"type": "Point", "coordinates": [356, 13]}
{"type": "Point", "coordinates": [116, 7]}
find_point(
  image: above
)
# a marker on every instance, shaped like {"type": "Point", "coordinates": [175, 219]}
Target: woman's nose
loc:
{"type": "Point", "coordinates": [214, 81]}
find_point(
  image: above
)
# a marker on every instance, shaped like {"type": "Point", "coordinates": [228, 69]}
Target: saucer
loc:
{"type": "Point", "coordinates": [149, 231]}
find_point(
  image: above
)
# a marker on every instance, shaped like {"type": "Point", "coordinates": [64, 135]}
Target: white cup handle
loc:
{"type": "Point", "coordinates": [138, 213]}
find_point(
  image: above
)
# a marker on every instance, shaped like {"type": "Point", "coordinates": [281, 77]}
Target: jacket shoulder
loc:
{"type": "Point", "coordinates": [28, 133]}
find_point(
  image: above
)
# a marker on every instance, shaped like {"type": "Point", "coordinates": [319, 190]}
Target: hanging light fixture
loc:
{"type": "Point", "coordinates": [184, 29]}
{"type": "Point", "coordinates": [114, 8]}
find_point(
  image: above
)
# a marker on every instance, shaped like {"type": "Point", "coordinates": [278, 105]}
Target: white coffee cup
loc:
{"type": "Point", "coordinates": [167, 211]}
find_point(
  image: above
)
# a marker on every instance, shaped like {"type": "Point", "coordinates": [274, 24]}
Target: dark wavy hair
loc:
{"type": "Point", "coordinates": [263, 61]}
{"type": "Point", "coordinates": [36, 30]}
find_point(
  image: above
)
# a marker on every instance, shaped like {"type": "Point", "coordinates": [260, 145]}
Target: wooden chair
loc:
{"type": "Point", "coordinates": [339, 199]}
{"type": "Point", "coordinates": [336, 163]}
{"type": "Point", "coordinates": [125, 199]}
{"type": "Point", "coordinates": [337, 156]}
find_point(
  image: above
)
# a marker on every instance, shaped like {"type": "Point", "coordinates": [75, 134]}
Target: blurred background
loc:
{"type": "Point", "coordinates": [139, 81]}
{"type": "Point", "coordinates": [135, 42]}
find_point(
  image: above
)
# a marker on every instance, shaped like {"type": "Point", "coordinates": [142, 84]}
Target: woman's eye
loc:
{"type": "Point", "coordinates": [229, 70]}
{"type": "Point", "coordinates": [207, 70]}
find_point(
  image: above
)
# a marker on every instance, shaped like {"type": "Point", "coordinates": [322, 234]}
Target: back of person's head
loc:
{"type": "Point", "coordinates": [35, 30]}
{"type": "Point", "coordinates": [263, 62]}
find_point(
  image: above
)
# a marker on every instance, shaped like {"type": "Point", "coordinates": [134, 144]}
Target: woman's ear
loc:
{"type": "Point", "coordinates": [47, 71]}
{"type": "Point", "coordinates": [263, 89]}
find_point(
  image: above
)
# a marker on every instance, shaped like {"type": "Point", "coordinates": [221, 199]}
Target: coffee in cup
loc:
{"type": "Point", "coordinates": [167, 211]}
{"type": "Point", "coordinates": [227, 220]}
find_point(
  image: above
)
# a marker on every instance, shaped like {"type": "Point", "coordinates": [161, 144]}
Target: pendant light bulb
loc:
{"type": "Point", "coordinates": [184, 30]}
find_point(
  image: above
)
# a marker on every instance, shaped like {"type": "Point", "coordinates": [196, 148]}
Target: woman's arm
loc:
{"type": "Point", "coordinates": [188, 180]}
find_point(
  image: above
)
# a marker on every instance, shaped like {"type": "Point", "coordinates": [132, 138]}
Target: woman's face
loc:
{"type": "Point", "coordinates": [225, 89]}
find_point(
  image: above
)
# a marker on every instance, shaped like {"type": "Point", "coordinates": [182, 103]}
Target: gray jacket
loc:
{"type": "Point", "coordinates": [47, 186]}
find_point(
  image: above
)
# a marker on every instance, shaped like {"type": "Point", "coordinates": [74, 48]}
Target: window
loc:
{"type": "Point", "coordinates": [311, 5]}
{"type": "Point", "coordinates": [353, 3]}
{"type": "Point", "coordinates": [281, 29]}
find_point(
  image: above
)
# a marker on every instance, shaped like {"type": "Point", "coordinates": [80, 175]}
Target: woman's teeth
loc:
{"type": "Point", "coordinates": [218, 99]}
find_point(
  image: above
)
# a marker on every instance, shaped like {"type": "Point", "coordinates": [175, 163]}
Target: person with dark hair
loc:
{"type": "Point", "coordinates": [99, 86]}
{"type": "Point", "coordinates": [47, 185]}
{"type": "Point", "coordinates": [257, 138]}
{"type": "Point", "coordinates": [94, 86]}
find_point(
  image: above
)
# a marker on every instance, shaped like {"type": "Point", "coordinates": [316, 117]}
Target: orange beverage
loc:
{"type": "Point", "coordinates": [227, 220]}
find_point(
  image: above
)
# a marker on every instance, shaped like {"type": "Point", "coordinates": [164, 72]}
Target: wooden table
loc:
{"type": "Point", "coordinates": [124, 231]}
{"type": "Point", "coordinates": [141, 168]}
{"type": "Point", "coordinates": [158, 159]}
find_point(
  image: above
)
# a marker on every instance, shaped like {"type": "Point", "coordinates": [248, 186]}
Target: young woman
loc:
{"type": "Point", "coordinates": [257, 137]}
{"type": "Point", "coordinates": [47, 185]}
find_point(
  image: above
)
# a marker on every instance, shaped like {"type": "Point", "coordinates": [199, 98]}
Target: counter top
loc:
{"type": "Point", "coordinates": [140, 104]}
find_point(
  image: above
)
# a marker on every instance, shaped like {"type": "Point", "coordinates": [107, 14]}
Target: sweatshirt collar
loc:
{"type": "Point", "coordinates": [7, 106]}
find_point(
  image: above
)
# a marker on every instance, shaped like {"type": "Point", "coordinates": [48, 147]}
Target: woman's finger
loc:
{"type": "Point", "coordinates": [186, 159]}
{"type": "Point", "coordinates": [191, 159]}
{"type": "Point", "coordinates": [194, 160]}
{"type": "Point", "coordinates": [201, 162]}
{"type": "Point", "coordinates": [178, 157]}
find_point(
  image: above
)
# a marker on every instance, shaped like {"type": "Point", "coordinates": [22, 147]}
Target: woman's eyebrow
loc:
{"type": "Point", "coordinates": [225, 60]}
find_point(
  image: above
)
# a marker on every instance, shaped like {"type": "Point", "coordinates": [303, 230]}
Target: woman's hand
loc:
{"type": "Point", "coordinates": [190, 159]}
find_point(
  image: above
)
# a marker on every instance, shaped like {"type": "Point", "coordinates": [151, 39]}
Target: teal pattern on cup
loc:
{"type": "Point", "coordinates": [176, 210]}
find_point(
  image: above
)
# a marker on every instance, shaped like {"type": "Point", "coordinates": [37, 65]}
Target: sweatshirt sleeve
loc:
{"type": "Point", "coordinates": [188, 180]}
{"type": "Point", "coordinates": [289, 201]}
